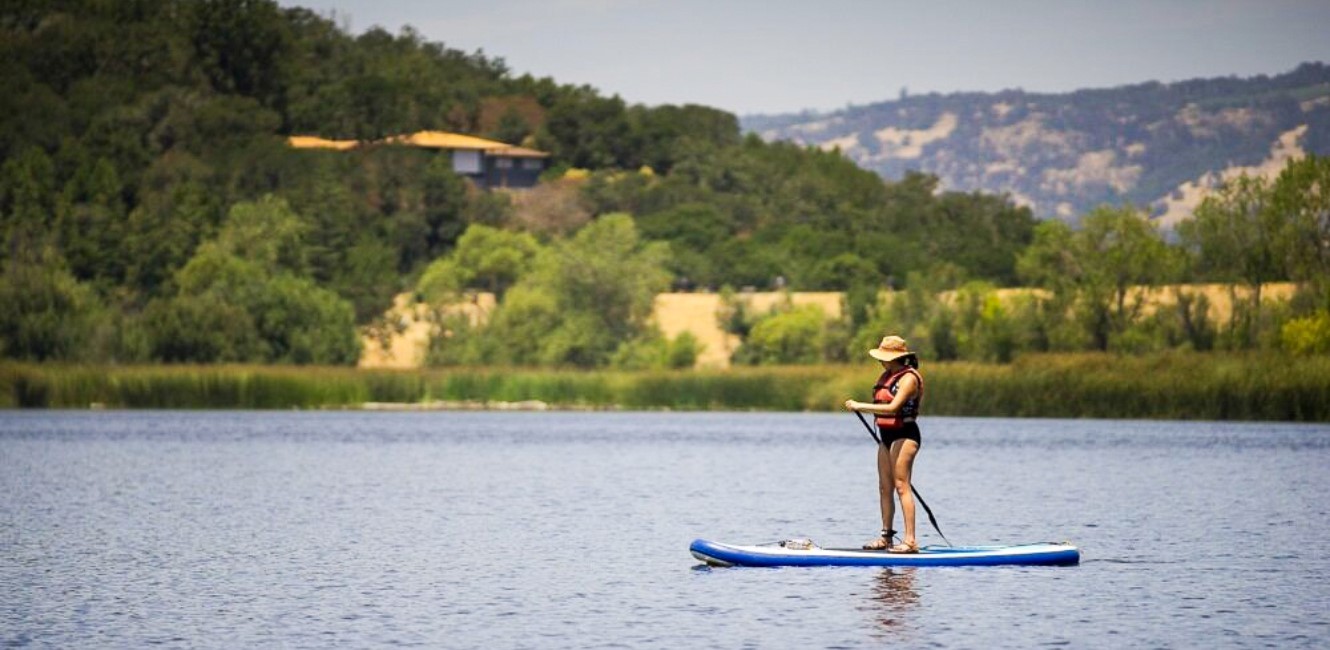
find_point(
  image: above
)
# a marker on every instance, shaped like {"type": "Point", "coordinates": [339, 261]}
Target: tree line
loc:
{"type": "Point", "coordinates": [1114, 283]}
{"type": "Point", "coordinates": [151, 212]}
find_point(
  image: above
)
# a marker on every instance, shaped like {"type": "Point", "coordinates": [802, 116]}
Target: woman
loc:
{"type": "Point", "coordinates": [896, 397]}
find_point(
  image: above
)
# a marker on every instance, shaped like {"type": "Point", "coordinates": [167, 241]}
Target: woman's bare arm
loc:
{"type": "Point", "coordinates": [909, 385]}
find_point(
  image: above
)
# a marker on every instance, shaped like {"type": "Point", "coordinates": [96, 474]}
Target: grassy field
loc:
{"type": "Point", "coordinates": [1170, 386]}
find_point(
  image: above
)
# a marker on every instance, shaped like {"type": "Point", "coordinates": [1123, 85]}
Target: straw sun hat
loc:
{"type": "Point", "coordinates": [891, 347]}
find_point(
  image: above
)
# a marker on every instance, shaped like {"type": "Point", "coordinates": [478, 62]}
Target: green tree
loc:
{"type": "Point", "coordinates": [445, 200]}
{"type": "Point", "coordinates": [583, 298]}
{"type": "Point", "coordinates": [32, 114]}
{"type": "Point", "coordinates": [589, 131]}
{"type": "Point", "coordinates": [512, 127]}
{"type": "Point", "coordinates": [176, 211]}
{"type": "Point", "coordinates": [486, 258]}
{"type": "Point", "coordinates": [27, 197]}
{"type": "Point", "coordinates": [652, 351]}
{"type": "Point", "coordinates": [243, 47]}
{"type": "Point", "coordinates": [692, 230]}
{"type": "Point", "coordinates": [793, 335]}
{"type": "Point", "coordinates": [201, 328]}
{"type": "Point", "coordinates": [980, 233]}
{"type": "Point", "coordinates": [48, 314]}
{"type": "Point", "coordinates": [216, 127]}
{"type": "Point", "coordinates": [1125, 251]}
{"type": "Point", "coordinates": [1301, 202]}
{"type": "Point", "coordinates": [377, 106]}
{"type": "Point", "coordinates": [1097, 267]}
{"type": "Point", "coordinates": [1238, 237]}
{"type": "Point", "coordinates": [244, 296]}
{"type": "Point", "coordinates": [304, 323]}
{"type": "Point", "coordinates": [266, 232]}
{"type": "Point", "coordinates": [667, 133]}
{"type": "Point", "coordinates": [367, 277]}
{"type": "Point", "coordinates": [89, 222]}
{"type": "Point", "coordinates": [262, 315]}
{"type": "Point", "coordinates": [987, 329]}
{"type": "Point", "coordinates": [329, 206]}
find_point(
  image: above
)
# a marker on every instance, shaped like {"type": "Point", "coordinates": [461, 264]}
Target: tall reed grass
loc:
{"type": "Point", "coordinates": [1167, 386]}
{"type": "Point", "coordinates": [1247, 386]}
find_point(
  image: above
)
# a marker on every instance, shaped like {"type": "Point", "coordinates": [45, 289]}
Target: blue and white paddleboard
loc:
{"type": "Point", "coordinates": [805, 553]}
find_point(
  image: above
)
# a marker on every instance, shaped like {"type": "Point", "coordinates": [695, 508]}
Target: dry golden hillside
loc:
{"type": "Point", "coordinates": [676, 313]}
{"type": "Point", "coordinates": [1178, 206]}
{"type": "Point", "coordinates": [402, 337]}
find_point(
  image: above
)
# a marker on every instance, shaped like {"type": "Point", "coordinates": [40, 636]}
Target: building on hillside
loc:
{"type": "Point", "coordinates": [488, 163]}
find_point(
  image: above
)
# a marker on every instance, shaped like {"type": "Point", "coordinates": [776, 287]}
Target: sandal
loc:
{"type": "Point", "coordinates": [912, 547]}
{"type": "Point", "coordinates": [882, 543]}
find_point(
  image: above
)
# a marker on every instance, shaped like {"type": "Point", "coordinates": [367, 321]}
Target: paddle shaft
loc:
{"type": "Point", "coordinates": [920, 497]}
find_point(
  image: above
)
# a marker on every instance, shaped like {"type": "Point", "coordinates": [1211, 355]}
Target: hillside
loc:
{"type": "Point", "coordinates": [152, 209]}
{"type": "Point", "coordinates": [1151, 144]}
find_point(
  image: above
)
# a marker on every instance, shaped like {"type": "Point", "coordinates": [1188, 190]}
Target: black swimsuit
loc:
{"type": "Point", "coordinates": [908, 431]}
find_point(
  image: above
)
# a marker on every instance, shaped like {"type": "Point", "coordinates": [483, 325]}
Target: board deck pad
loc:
{"type": "Point", "coordinates": [804, 553]}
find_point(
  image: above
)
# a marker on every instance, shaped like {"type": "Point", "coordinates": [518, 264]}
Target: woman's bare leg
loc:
{"type": "Point", "coordinates": [886, 487]}
{"type": "Point", "coordinates": [902, 459]}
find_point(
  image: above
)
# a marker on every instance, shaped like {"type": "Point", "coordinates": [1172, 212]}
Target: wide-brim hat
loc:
{"type": "Point", "coordinates": [891, 347]}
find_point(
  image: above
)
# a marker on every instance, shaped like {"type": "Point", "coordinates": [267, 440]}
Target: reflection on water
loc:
{"type": "Point", "coordinates": [893, 598]}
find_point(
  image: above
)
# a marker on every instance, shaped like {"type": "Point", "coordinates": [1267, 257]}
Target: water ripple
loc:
{"type": "Point", "coordinates": [201, 529]}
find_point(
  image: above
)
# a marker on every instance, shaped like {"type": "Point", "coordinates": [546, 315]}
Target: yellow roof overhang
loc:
{"type": "Point", "coordinates": [426, 140]}
{"type": "Point", "coordinates": [444, 140]}
{"type": "Point", "coordinates": [315, 142]}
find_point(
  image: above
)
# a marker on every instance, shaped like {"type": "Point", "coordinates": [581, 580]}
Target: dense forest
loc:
{"type": "Point", "coordinates": [153, 212]}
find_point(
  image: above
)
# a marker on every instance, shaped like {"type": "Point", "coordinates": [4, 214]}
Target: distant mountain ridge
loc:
{"type": "Point", "coordinates": [1154, 145]}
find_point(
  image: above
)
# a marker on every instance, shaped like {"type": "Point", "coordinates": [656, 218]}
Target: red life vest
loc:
{"type": "Point", "coordinates": [885, 389]}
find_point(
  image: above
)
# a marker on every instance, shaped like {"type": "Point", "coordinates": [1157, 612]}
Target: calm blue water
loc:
{"type": "Point", "coordinates": [126, 529]}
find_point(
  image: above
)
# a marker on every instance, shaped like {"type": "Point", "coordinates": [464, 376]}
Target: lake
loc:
{"type": "Point", "coordinates": [555, 530]}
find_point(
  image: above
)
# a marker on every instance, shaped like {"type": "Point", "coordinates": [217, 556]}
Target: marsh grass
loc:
{"type": "Point", "coordinates": [1165, 386]}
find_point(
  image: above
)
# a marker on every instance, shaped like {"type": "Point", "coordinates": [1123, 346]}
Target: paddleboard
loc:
{"type": "Point", "coordinates": [805, 553]}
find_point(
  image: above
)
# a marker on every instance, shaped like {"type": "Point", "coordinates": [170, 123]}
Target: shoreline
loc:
{"type": "Point", "coordinates": [1174, 386]}
{"type": "Point", "coordinates": [453, 405]}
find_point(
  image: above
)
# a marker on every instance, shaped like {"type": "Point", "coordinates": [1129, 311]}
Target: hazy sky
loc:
{"type": "Point", "coordinates": [774, 57]}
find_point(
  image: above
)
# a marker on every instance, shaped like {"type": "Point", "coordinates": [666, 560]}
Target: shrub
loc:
{"type": "Point", "coordinates": [1307, 335]}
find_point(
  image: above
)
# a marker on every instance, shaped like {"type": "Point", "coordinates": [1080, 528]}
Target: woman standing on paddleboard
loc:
{"type": "Point", "coordinates": [896, 397]}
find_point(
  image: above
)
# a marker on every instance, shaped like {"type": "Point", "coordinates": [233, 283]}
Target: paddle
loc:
{"type": "Point", "coordinates": [920, 497]}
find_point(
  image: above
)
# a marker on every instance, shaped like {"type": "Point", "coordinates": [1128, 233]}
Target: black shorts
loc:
{"type": "Point", "coordinates": [910, 431]}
